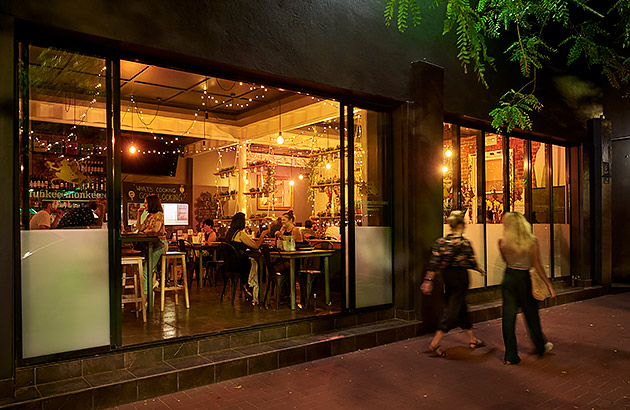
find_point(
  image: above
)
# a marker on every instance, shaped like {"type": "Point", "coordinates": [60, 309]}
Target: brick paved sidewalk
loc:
{"type": "Point", "coordinates": [589, 368]}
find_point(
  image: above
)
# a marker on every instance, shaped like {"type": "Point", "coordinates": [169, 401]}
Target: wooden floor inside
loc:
{"type": "Point", "coordinates": [207, 314]}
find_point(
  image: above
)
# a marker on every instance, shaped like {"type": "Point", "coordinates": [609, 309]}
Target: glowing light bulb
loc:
{"type": "Point", "coordinates": [246, 181]}
{"type": "Point", "coordinates": [301, 177]}
{"type": "Point", "coordinates": [133, 149]}
{"type": "Point", "coordinates": [448, 153]}
{"type": "Point", "coordinates": [444, 168]}
{"type": "Point", "coordinates": [328, 165]}
{"type": "Point", "coordinates": [280, 140]}
{"type": "Point", "coordinates": [291, 182]}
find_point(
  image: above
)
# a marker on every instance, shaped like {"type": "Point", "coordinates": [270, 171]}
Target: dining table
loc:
{"type": "Point", "coordinates": [293, 256]}
{"type": "Point", "coordinates": [145, 238]}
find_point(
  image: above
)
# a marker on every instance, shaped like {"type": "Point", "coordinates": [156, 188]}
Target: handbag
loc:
{"type": "Point", "coordinates": [539, 287]}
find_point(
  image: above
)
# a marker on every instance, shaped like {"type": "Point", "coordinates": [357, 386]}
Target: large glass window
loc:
{"type": "Point", "coordinates": [518, 175]}
{"type": "Point", "coordinates": [470, 200]}
{"type": "Point", "coordinates": [561, 232]}
{"type": "Point", "coordinates": [64, 251]}
{"type": "Point", "coordinates": [541, 200]}
{"type": "Point", "coordinates": [494, 205]}
{"type": "Point", "coordinates": [448, 196]}
{"type": "Point", "coordinates": [373, 251]}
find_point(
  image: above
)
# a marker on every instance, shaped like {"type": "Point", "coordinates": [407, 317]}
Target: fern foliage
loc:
{"type": "Point", "coordinates": [591, 32]}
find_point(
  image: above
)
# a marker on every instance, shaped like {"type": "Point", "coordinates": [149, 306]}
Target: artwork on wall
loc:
{"type": "Point", "coordinates": [282, 197]}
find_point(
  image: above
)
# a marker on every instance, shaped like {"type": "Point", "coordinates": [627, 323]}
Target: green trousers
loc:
{"type": "Point", "coordinates": [517, 292]}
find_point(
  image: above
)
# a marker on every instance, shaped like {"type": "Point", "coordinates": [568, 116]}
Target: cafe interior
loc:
{"type": "Point", "coordinates": [208, 147]}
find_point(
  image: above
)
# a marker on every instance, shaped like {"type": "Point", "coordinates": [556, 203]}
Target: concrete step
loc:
{"type": "Point", "coordinates": [142, 379]}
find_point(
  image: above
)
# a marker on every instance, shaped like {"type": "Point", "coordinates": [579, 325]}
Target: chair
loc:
{"type": "Point", "coordinates": [274, 277]}
{"type": "Point", "coordinates": [138, 296]}
{"type": "Point", "coordinates": [212, 266]}
{"type": "Point", "coordinates": [173, 256]}
{"type": "Point", "coordinates": [311, 274]}
{"type": "Point", "coordinates": [191, 261]}
{"type": "Point", "coordinates": [231, 268]}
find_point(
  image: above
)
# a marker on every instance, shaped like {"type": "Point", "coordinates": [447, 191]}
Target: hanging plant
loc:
{"type": "Point", "coordinates": [269, 187]}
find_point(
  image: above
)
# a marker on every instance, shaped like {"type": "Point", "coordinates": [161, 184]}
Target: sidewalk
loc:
{"type": "Point", "coordinates": [589, 368]}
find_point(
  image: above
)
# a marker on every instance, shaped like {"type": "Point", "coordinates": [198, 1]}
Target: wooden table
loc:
{"type": "Point", "coordinates": [303, 254]}
{"type": "Point", "coordinates": [203, 247]}
{"type": "Point", "coordinates": [150, 239]}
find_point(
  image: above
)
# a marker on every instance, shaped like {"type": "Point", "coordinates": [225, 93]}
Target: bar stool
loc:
{"type": "Point", "coordinates": [167, 257]}
{"type": "Point", "coordinates": [138, 296]}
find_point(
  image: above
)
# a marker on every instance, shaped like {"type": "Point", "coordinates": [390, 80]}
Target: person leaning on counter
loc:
{"type": "Point", "coordinates": [153, 224]}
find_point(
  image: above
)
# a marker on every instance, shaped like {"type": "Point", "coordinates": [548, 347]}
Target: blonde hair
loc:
{"type": "Point", "coordinates": [517, 232]}
{"type": "Point", "coordinates": [455, 218]}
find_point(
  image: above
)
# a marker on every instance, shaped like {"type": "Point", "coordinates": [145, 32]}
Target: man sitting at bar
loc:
{"type": "Point", "coordinates": [41, 220]}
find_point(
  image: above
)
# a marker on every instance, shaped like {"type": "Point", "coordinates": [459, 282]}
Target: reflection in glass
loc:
{"type": "Point", "coordinates": [561, 232]}
{"type": "Point", "coordinates": [372, 228]}
{"type": "Point", "coordinates": [447, 171]}
{"type": "Point", "coordinates": [494, 205]}
{"type": "Point", "coordinates": [64, 273]}
{"type": "Point", "coordinates": [541, 216]}
{"type": "Point", "coordinates": [518, 175]}
{"type": "Point", "coordinates": [470, 199]}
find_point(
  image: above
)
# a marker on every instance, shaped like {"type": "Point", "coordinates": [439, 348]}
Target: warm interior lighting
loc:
{"type": "Point", "coordinates": [301, 177]}
{"type": "Point", "coordinates": [280, 140]}
{"type": "Point", "coordinates": [444, 168]}
{"type": "Point", "coordinates": [448, 153]}
{"type": "Point", "coordinates": [291, 182]}
{"type": "Point", "coordinates": [133, 149]}
{"type": "Point", "coordinates": [328, 165]}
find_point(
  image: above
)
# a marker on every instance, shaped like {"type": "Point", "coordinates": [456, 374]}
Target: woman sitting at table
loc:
{"type": "Point", "coordinates": [210, 235]}
{"type": "Point", "coordinates": [152, 224]}
{"type": "Point", "coordinates": [288, 227]}
{"type": "Point", "coordinates": [241, 241]}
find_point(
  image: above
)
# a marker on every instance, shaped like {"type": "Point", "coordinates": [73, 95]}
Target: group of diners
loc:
{"type": "Point", "coordinates": [244, 241]}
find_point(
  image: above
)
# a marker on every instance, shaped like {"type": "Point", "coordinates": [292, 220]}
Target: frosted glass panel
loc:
{"type": "Point", "coordinates": [542, 232]}
{"type": "Point", "coordinates": [65, 290]}
{"type": "Point", "coordinates": [373, 266]}
{"type": "Point", "coordinates": [474, 233]}
{"type": "Point", "coordinates": [496, 265]}
{"type": "Point", "coordinates": [562, 250]}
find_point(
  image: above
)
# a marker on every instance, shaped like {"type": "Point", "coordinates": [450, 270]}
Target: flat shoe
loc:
{"type": "Point", "coordinates": [477, 343]}
{"type": "Point", "coordinates": [436, 350]}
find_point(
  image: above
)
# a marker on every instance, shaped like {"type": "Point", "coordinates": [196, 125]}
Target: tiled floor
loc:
{"type": "Point", "coordinates": [208, 314]}
{"type": "Point", "coordinates": [589, 368]}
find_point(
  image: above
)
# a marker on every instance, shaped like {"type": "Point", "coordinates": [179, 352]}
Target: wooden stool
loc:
{"type": "Point", "coordinates": [166, 258]}
{"type": "Point", "coordinates": [138, 296]}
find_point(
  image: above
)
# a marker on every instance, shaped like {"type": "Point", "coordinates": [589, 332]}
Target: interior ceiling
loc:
{"type": "Point", "coordinates": [224, 99]}
{"type": "Point", "coordinates": [61, 76]}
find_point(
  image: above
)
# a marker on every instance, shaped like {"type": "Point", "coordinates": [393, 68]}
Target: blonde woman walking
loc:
{"type": "Point", "coordinates": [519, 248]}
{"type": "Point", "coordinates": [454, 255]}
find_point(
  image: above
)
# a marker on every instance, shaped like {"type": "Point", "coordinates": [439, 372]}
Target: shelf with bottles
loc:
{"type": "Point", "coordinates": [227, 195]}
{"type": "Point", "coordinates": [44, 183]}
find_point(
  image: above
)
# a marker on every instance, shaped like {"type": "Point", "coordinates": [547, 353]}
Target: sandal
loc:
{"type": "Point", "coordinates": [477, 343]}
{"type": "Point", "coordinates": [436, 350]}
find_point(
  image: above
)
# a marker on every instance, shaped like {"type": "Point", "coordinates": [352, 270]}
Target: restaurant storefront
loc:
{"type": "Point", "coordinates": [98, 116]}
{"type": "Point", "coordinates": [100, 135]}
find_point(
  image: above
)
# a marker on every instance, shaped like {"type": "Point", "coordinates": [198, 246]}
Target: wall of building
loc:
{"type": "Point", "coordinates": [339, 44]}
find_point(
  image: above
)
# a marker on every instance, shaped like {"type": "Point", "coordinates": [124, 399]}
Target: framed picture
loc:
{"type": "Point", "coordinates": [132, 212]}
{"type": "Point", "coordinates": [282, 198]}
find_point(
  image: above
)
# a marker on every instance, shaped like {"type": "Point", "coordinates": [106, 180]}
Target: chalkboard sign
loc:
{"type": "Point", "coordinates": [206, 207]}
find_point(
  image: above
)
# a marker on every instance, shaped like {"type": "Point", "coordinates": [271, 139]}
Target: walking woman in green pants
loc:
{"type": "Point", "coordinates": [519, 248]}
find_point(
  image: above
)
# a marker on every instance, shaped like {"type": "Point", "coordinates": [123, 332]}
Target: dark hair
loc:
{"type": "Point", "coordinates": [153, 204]}
{"type": "Point", "coordinates": [289, 214]}
{"type": "Point", "coordinates": [237, 224]}
{"type": "Point", "coordinates": [45, 203]}
{"type": "Point", "coordinates": [208, 222]}
{"type": "Point", "coordinates": [308, 223]}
